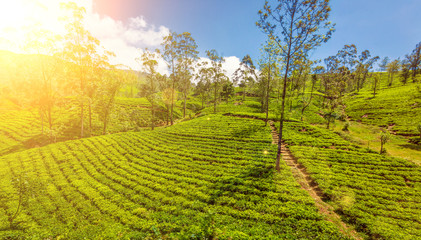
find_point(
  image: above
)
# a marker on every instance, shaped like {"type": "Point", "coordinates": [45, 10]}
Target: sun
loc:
{"type": "Point", "coordinates": [12, 14]}
{"type": "Point", "coordinates": [20, 18]}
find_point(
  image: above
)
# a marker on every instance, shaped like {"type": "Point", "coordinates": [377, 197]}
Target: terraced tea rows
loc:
{"type": "Point", "coordinates": [251, 107]}
{"type": "Point", "coordinates": [380, 195]}
{"type": "Point", "coordinates": [212, 176]}
{"type": "Point", "coordinates": [17, 127]}
{"type": "Point", "coordinates": [398, 108]}
{"type": "Point", "coordinates": [21, 129]}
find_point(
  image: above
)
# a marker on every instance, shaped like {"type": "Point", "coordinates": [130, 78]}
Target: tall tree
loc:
{"type": "Point", "coordinates": [203, 86]}
{"type": "Point", "coordinates": [166, 93]}
{"type": "Point", "coordinates": [335, 81]}
{"type": "Point", "coordinates": [187, 54]}
{"type": "Point", "coordinates": [111, 81]}
{"type": "Point", "coordinates": [269, 71]}
{"type": "Point", "coordinates": [405, 73]}
{"type": "Point", "coordinates": [245, 73]}
{"type": "Point", "coordinates": [392, 69]}
{"type": "Point", "coordinates": [43, 86]}
{"type": "Point", "coordinates": [80, 49]}
{"type": "Point", "coordinates": [415, 61]}
{"type": "Point", "coordinates": [296, 27]}
{"type": "Point", "coordinates": [383, 64]}
{"type": "Point", "coordinates": [227, 89]}
{"type": "Point", "coordinates": [218, 73]}
{"type": "Point", "coordinates": [300, 71]}
{"type": "Point", "coordinates": [314, 77]}
{"type": "Point", "coordinates": [364, 64]}
{"type": "Point", "coordinates": [170, 47]}
{"type": "Point", "coordinates": [150, 89]}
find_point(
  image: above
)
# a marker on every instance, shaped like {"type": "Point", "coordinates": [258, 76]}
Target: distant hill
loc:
{"type": "Point", "coordinates": [397, 108]}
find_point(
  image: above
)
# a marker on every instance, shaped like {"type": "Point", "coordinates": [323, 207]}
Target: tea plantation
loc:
{"type": "Point", "coordinates": [397, 108]}
{"type": "Point", "coordinates": [380, 195]}
{"type": "Point", "coordinates": [211, 177]}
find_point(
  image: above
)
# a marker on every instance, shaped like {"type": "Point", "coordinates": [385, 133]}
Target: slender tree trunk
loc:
{"type": "Point", "coordinates": [172, 94]}
{"type": "Point", "coordinates": [391, 79]}
{"type": "Point", "coordinates": [267, 93]}
{"type": "Point", "coordinates": [309, 101]}
{"type": "Point", "coordinates": [364, 78]}
{"type": "Point", "coordinates": [168, 113]}
{"type": "Point", "coordinates": [375, 86]}
{"type": "Point", "coordinates": [82, 90]}
{"type": "Point", "coordinates": [358, 84]}
{"type": "Point", "coordinates": [90, 118]}
{"type": "Point", "coordinates": [21, 193]}
{"type": "Point", "coordinates": [172, 102]}
{"type": "Point", "coordinates": [153, 115]}
{"type": "Point", "coordinates": [328, 121]}
{"type": "Point", "coordinates": [104, 129]}
{"type": "Point", "coordinates": [153, 102]}
{"type": "Point", "coordinates": [50, 123]}
{"type": "Point", "coordinates": [291, 95]}
{"type": "Point", "coordinates": [215, 98]}
{"type": "Point", "coordinates": [184, 107]}
{"type": "Point", "coordinates": [281, 125]}
{"type": "Point", "coordinates": [81, 119]}
{"type": "Point", "coordinates": [42, 121]}
{"type": "Point", "coordinates": [108, 109]}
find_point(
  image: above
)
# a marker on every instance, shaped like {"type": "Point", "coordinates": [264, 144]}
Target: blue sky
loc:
{"type": "Point", "coordinates": [386, 28]}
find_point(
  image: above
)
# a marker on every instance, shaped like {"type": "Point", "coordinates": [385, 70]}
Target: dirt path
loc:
{"type": "Point", "coordinates": [308, 184]}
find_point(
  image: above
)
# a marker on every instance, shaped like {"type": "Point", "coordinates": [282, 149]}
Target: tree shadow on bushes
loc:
{"type": "Point", "coordinates": [246, 131]}
{"type": "Point", "coordinates": [254, 180]}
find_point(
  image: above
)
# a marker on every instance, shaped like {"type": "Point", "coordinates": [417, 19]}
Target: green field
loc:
{"type": "Point", "coordinates": [397, 108]}
{"type": "Point", "coordinates": [211, 176]}
{"type": "Point", "coordinates": [162, 138]}
{"type": "Point", "coordinates": [380, 195]}
{"type": "Point", "coordinates": [21, 128]}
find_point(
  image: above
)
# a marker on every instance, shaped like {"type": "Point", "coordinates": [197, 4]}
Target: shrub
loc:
{"type": "Point", "coordinates": [419, 129]}
{"type": "Point", "coordinates": [384, 138]}
{"type": "Point", "coordinates": [346, 126]}
{"type": "Point", "coordinates": [344, 197]}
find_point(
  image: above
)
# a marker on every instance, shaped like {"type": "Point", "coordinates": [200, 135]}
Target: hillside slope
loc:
{"type": "Point", "coordinates": [397, 108]}
{"type": "Point", "coordinates": [209, 177]}
{"type": "Point", "coordinates": [21, 128]}
{"type": "Point", "coordinates": [379, 195]}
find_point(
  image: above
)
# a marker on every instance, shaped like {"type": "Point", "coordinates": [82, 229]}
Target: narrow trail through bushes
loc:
{"type": "Point", "coordinates": [307, 183]}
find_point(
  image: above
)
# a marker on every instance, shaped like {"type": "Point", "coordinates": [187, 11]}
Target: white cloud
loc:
{"type": "Point", "coordinates": [21, 16]}
{"type": "Point", "coordinates": [230, 65]}
{"type": "Point", "coordinates": [138, 22]}
{"type": "Point", "coordinates": [126, 41]}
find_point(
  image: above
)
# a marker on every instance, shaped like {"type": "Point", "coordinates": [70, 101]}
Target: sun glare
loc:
{"type": "Point", "coordinates": [20, 18]}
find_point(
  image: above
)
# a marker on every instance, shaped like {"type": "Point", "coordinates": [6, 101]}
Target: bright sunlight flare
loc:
{"type": "Point", "coordinates": [21, 18]}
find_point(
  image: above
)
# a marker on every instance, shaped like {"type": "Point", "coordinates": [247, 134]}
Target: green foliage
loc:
{"type": "Point", "coordinates": [346, 126]}
{"type": "Point", "coordinates": [227, 90]}
{"type": "Point", "coordinates": [404, 75]}
{"type": "Point", "coordinates": [21, 129]}
{"type": "Point", "coordinates": [397, 107]}
{"type": "Point", "coordinates": [384, 138]}
{"type": "Point", "coordinates": [379, 195]}
{"type": "Point", "coordinates": [419, 128]}
{"type": "Point", "coordinates": [205, 177]}
{"type": "Point", "coordinates": [344, 197]}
